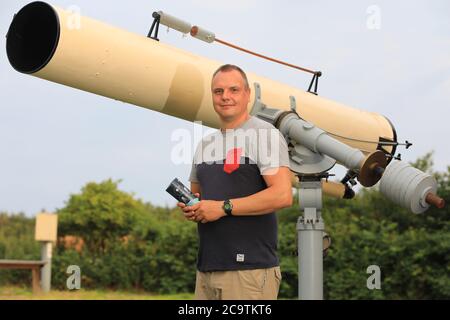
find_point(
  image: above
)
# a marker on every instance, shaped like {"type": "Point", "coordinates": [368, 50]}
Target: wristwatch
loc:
{"type": "Point", "coordinates": [227, 207]}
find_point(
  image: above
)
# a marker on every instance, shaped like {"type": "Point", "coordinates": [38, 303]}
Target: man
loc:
{"type": "Point", "coordinates": [240, 192]}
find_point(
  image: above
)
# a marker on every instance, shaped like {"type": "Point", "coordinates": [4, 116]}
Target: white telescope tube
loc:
{"type": "Point", "coordinates": [132, 68]}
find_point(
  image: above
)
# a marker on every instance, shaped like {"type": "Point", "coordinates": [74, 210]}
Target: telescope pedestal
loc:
{"type": "Point", "coordinates": [310, 231]}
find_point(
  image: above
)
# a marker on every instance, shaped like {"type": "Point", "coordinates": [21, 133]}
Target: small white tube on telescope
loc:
{"type": "Point", "coordinates": [174, 23]}
{"type": "Point", "coordinates": [203, 34]}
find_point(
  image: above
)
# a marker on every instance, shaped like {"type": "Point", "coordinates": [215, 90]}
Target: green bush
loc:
{"type": "Point", "coordinates": [170, 263]}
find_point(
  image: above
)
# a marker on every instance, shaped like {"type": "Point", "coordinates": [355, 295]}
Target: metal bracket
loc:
{"type": "Point", "coordinates": [293, 104]}
{"type": "Point", "coordinates": [315, 82]}
{"type": "Point", "coordinates": [260, 110]}
{"type": "Point", "coordinates": [155, 26]}
{"type": "Point", "coordinates": [302, 159]}
{"type": "Point", "coordinates": [257, 104]}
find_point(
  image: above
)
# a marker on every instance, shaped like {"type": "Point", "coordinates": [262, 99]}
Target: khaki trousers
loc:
{"type": "Point", "coordinates": [256, 284]}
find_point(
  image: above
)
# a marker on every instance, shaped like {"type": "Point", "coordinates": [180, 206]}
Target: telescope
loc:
{"type": "Point", "coordinates": [141, 70]}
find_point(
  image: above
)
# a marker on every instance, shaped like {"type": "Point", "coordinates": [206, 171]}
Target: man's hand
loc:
{"type": "Point", "coordinates": [188, 214]}
{"type": "Point", "coordinates": [203, 211]}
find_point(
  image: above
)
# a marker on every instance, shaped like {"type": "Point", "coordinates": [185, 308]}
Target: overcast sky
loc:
{"type": "Point", "coordinates": [389, 57]}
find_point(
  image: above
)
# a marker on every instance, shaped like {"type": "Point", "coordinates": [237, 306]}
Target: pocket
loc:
{"type": "Point", "coordinates": [254, 280]}
{"type": "Point", "coordinates": [278, 276]}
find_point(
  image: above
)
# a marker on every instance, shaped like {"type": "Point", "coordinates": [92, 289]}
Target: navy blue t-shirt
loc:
{"type": "Point", "coordinates": [228, 165]}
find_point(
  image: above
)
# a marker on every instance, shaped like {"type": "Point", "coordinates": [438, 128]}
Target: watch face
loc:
{"type": "Point", "coordinates": [227, 206]}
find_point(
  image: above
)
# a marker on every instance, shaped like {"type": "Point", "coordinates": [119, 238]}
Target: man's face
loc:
{"type": "Point", "coordinates": [230, 96]}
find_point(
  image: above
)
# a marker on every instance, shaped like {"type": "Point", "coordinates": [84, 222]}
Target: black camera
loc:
{"type": "Point", "coordinates": [180, 192]}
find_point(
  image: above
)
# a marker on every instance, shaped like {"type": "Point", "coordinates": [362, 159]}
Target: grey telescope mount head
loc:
{"type": "Point", "coordinates": [313, 152]}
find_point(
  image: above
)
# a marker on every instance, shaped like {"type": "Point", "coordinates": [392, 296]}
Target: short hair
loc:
{"type": "Point", "coordinates": [230, 67]}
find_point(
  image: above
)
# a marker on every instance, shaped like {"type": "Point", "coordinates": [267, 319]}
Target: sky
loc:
{"type": "Point", "coordinates": [388, 57]}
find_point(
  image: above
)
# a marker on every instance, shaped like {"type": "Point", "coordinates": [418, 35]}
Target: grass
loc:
{"type": "Point", "coordinates": [25, 293]}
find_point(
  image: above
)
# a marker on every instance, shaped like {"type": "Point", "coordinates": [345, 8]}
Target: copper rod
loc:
{"type": "Point", "coordinates": [266, 57]}
{"type": "Point", "coordinates": [435, 200]}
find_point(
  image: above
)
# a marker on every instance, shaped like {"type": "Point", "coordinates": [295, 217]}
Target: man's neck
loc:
{"type": "Point", "coordinates": [234, 123]}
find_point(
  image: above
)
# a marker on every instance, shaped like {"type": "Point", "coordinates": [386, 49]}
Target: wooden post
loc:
{"type": "Point", "coordinates": [36, 279]}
